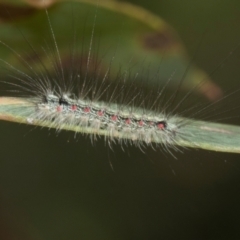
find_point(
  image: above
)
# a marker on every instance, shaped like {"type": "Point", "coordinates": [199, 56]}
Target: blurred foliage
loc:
{"type": "Point", "coordinates": [141, 43]}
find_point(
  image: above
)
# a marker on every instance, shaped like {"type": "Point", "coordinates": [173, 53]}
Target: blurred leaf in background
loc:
{"type": "Point", "coordinates": [134, 36]}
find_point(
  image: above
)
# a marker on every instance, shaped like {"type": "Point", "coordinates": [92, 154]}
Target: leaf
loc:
{"type": "Point", "coordinates": [136, 38]}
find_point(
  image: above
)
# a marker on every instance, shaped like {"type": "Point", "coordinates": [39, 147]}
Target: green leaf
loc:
{"type": "Point", "coordinates": [136, 38]}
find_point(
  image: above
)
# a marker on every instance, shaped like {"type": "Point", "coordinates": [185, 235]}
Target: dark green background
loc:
{"type": "Point", "coordinates": [61, 187]}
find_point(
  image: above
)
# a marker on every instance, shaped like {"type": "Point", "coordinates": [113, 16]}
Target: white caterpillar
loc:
{"type": "Point", "coordinates": [137, 126]}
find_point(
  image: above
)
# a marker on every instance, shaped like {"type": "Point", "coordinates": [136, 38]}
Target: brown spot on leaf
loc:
{"type": "Point", "coordinates": [33, 57]}
{"type": "Point", "coordinates": [80, 64]}
{"type": "Point", "coordinates": [9, 12]}
{"type": "Point", "coordinates": [158, 40]}
{"type": "Point", "coordinates": [211, 91]}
